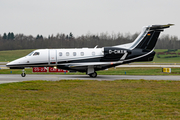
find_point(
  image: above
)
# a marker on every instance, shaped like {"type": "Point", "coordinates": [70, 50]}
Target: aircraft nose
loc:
{"type": "Point", "coordinates": [9, 64]}
{"type": "Point", "coordinates": [15, 63]}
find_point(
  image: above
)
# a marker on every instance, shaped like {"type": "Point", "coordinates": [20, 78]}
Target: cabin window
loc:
{"type": "Point", "coordinates": [67, 53]}
{"type": "Point", "coordinates": [82, 53]}
{"type": "Point", "coordinates": [74, 53]}
{"type": "Point", "coordinates": [60, 54]}
{"type": "Point", "coordinates": [36, 53]}
{"type": "Point", "coordinates": [93, 53]}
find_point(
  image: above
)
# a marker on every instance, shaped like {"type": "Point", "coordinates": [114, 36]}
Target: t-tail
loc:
{"type": "Point", "coordinates": [148, 37]}
{"type": "Point", "coordinates": [142, 47]}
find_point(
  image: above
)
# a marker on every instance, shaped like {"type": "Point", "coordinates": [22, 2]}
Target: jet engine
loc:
{"type": "Point", "coordinates": [114, 53]}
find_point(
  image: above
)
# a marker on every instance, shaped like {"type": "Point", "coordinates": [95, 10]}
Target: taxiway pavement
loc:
{"type": "Point", "coordinates": [8, 78]}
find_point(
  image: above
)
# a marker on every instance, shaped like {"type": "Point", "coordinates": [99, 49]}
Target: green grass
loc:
{"type": "Point", "coordinates": [165, 60]}
{"type": "Point", "coordinates": [76, 99]}
{"type": "Point", "coordinates": [15, 54]}
{"type": "Point", "coordinates": [11, 55]}
{"type": "Point", "coordinates": [111, 71]}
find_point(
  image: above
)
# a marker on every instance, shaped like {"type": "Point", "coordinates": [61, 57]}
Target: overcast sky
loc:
{"type": "Point", "coordinates": [46, 17]}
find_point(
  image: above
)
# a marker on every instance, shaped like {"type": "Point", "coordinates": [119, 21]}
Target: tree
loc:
{"type": "Point", "coordinates": [70, 35]}
{"type": "Point", "coordinates": [9, 36]}
{"type": "Point", "coordinates": [67, 37]}
{"type": "Point", "coordinates": [41, 37]}
{"type": "Point", "coordinates": [49, 37]}
{"type": "Point", "coordinates": [12, 36]}
{"type": "Point", "coordinates": [4, 36]}
{"type": "Point", "coordinates": [37, 36]}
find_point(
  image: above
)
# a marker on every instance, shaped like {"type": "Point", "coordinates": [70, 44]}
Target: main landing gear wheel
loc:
{"type": "Point", "coordinates": [93, 75]}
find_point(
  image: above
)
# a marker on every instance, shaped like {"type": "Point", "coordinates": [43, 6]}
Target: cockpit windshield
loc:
{"type": "Point", "coordinates": [30, 54]}
{"type": "Point", "coordinates": [33, 53]}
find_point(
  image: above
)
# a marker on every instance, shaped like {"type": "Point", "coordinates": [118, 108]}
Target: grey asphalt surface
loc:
{"type": "Point", "coordinates": [8, 78]}
{"type": "Point", "coordinates": [2, 65]}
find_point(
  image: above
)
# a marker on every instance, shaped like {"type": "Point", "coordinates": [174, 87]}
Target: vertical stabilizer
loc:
{"type": "Point", "coordinates": [149, 36]}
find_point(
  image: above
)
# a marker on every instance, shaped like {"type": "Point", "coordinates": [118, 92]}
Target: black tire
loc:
{"type": "Point", "coordinates": [93, 75]}
{"type": "Point", "coordinates": [23, 74]}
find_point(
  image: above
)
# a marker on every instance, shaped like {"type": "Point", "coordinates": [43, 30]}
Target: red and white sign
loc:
{"type": "Point", "coordinates": [45, 69]}
{"type": "Point", "coordinates": [51, 69]}
{"type": "Point", "coordinates": [39, 69]}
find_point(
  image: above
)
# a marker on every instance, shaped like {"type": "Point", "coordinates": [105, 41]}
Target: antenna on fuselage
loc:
{"type": "Point", "coordinates": [96, 46]}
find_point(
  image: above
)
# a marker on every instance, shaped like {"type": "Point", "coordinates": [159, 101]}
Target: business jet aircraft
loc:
{"type": "Point", "coordinates": [90, 60]}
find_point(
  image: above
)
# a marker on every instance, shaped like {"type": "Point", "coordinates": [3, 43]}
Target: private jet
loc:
{"type": "Point", "coordinates": [90, 60]}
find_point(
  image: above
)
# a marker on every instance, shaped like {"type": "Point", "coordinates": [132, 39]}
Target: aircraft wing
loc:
{"type": "Point", "coordinates": [92, 64]}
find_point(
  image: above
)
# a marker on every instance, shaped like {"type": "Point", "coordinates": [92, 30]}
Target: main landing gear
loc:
{"type": "Point", "coordinates": [23, 74]}
{"type": "Point", "coordinates": [93, 75]}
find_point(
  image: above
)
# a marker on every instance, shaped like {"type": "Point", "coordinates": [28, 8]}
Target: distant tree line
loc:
{"type": "Point", "coordinates": [168, 42]}
{"type": "Point", "coordinates": [20, 41]}
{"type": "Point", "coordinates": [10, 36]}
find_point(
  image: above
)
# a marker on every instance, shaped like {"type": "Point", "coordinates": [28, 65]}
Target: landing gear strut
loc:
{"type": "Point", "coordinates": [23, 74]}
{"type": "Point", "coordinates": [93, 75]}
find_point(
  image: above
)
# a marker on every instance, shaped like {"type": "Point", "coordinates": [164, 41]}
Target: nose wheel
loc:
{"type": "Point", "coordinates": [93, 75]}
{"type": "Point", "coordinates": [23, 74]}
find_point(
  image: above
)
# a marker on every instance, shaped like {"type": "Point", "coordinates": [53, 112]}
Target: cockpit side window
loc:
{"type": "Point", "coordinates": [36, 53]}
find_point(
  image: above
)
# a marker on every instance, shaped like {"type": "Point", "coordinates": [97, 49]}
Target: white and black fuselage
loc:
{"type": "Point", "coordinates": [90, 60]}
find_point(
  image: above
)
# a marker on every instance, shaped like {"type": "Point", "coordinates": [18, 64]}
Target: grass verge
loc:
{"type": "Point", "coordinates": [11, 55]}
{"type": "Point", "coordinates": [77, 99]}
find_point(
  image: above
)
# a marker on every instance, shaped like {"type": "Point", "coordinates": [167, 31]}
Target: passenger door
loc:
{"type": "Point", "coordinates": [52, 56]}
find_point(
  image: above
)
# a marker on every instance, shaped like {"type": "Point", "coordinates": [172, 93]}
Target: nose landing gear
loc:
{"type": "Point", "coordinates": [23, 74]}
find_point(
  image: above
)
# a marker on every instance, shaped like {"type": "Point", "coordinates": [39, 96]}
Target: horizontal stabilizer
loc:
{"type": "Point", "coordinates": [159, 27]}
